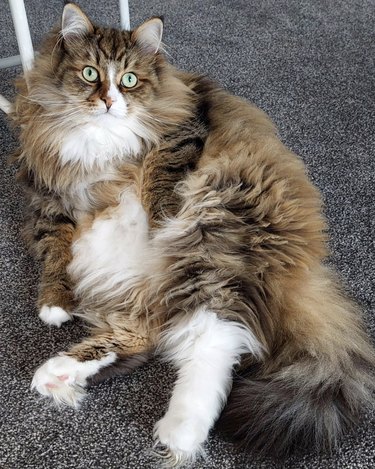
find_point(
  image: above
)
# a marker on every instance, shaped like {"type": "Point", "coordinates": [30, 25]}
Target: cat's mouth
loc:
{"type": "Point", "coordinates": [107, 115]}
{"type": "Point", "coordinates": [110, 113]}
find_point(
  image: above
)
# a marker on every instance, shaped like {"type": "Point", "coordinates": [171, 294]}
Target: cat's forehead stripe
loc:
{"type": "Point", "coordinates": [113, 44]}
{"type": "Point", "coordinates": [102, 48]}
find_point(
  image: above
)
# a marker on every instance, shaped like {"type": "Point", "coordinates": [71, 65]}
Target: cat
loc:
{"type": "Point", "coordinates": [168, 215]}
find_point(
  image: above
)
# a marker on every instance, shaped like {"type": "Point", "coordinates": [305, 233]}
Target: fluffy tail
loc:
{"type": "Point", "coordinates": [315, 383]}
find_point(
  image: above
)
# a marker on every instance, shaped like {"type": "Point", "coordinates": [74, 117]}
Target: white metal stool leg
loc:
{"type": "Point", "coordinates": [124, 14]}
{"type": "Point", "coordinates": [21, 26]}
{"type": "Point", "coordinates": [25, 46]}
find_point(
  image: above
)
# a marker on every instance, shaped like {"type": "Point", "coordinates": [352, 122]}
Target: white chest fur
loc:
{"type": "Point", "coordinates": [103, 138]}
{"type": "Point", "coordinates": [108, 256]}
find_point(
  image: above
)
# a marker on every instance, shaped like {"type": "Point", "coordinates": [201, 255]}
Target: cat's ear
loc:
{"type": "Point", "coordinates": [74, 22]}
{"type": "Point", "coordinates": [148, 35]}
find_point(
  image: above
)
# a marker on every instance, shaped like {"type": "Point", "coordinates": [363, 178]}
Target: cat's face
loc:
{"type": "Point", "coordinates": [98, 88]}
{"type": "Point", "coordinates": [94, 72]}
{"type": "Point", "coordinates": [107, 72]}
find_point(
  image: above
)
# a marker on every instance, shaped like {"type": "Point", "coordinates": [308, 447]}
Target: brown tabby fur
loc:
{"type": "Point", "coordinates": [250, 242]}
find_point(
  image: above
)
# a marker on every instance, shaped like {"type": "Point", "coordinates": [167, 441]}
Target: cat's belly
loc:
{"type": "Point", "coordinates": [110, 254]}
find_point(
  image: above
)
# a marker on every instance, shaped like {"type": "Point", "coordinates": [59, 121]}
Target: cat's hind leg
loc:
{"type": "Point", "coordinates": [65, 377]}
{"type": "Point", "coordinates": [204, 348]}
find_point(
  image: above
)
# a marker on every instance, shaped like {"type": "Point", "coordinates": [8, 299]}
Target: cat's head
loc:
{"type": "Point", "coordinates": [105, 79]}
{"type": "Point", "coordinates": [101, 70]}
{"type": "Point", "coordinates": [107, 71]}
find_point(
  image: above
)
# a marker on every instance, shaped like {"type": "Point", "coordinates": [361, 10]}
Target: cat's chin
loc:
{"type": "Point", "coordinates": [109, 116]}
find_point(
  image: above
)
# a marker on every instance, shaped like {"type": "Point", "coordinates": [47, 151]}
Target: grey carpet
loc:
{"type": "Point", "coordinates": [310, 65]}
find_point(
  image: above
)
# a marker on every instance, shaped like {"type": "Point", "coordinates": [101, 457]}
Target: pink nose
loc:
{"type": "Point", "coordinates": [108, 102]}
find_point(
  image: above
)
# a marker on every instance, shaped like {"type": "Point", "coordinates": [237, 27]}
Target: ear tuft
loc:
{"type": "Point", "coordinates": [148, 35]}
{"type": "Point", "coordinates": [74, 22]}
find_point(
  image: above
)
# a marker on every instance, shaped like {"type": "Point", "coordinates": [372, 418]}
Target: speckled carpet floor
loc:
{"type": "Point", "coordinates": [310, 65]}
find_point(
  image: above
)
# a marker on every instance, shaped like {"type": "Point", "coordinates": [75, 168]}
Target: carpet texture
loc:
{"type": "Point", "coordinates": [310, 66]}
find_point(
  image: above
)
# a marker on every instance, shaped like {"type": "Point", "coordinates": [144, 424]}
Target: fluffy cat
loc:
{"type": "Point", "coordinates": [167, 213]}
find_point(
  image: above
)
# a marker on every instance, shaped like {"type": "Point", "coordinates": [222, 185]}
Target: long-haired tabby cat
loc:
{"type": "Point", "coordinates": [169, 216]}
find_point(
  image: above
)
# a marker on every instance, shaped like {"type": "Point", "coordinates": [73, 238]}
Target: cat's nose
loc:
{"type": "Point", "coordinates": [108, 102]}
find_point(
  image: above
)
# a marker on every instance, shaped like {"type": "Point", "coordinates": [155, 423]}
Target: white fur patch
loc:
{"type": "Point", "coordinates": [205, 349]}
{"type": "Point", "coordinates": [63, 378]}
{"type": "Point", "coordinates": [105, 137]}
{"type": "Point", "coordinates": [109, 257]}
{"type": "Point", "coordinates": [54, 315]}
{"type": "Point", "coordinates": [113, 91]}
{"type": "Point", "coordinates": [182, 436]}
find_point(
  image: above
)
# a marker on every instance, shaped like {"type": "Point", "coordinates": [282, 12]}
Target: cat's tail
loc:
{"type": "Point", "coordinates": [316, 382]}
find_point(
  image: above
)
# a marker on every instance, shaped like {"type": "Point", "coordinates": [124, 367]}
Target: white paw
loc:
{"type": "Point", "coordinates": [54, 315]}
{"type": "Point", "coordinates": [59, 378]}
{"type": "Point", "coordinates": [182, 438]}
{"type": "Point", "coordinates": [63, 378]}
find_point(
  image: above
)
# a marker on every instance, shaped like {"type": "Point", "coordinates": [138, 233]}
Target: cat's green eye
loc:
{"type": "Point", "coordinates": [90, 74]}
{"type": "Point", "coordinates": [129, 80]}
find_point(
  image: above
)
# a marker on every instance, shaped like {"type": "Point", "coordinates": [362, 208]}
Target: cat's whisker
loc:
{"type": "Point", "coordinates": [42, 101]}
{"type": "Point", "coordinates": [51, 116]}
{"type": "Point", "coordinates": [58, 42]}
{"type": "Point", "coordinates": [165, 48]}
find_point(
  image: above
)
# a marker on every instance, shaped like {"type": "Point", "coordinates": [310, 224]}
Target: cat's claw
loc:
{"type": "Point", "coordinates": [54, 315]}
{"type": "Point", "coordinates": [178, 440]}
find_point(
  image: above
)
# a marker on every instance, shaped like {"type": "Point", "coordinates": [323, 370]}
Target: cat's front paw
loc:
{"type": "Point", "coordinates": [179, 439]}
{"type": "Point", "coordinates": [54, 315]}
{"type": "Point", "coordinates": [59, 378]}
{"type": "Point", "coordinates": [63, 378]}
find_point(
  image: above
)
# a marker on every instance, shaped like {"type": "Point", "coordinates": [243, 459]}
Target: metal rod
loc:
{"type": "Point", "coordinates": [5, 105]}
{"type": "Point", "coordinates": [21, 26]}
{"type": "Point", "coordinates": [124, 14]}
{"type": "Point", "coordinates": [10, 61]}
